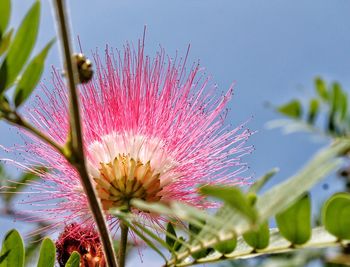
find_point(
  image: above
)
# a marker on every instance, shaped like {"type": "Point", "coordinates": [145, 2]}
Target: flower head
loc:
{"type": "Point", "coordinates": [85, 241]}
{"type": "Point", "coordinates": [150, 131]}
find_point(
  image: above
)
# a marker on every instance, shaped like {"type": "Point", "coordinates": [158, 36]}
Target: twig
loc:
{"type": "Point", "coordinates": [123, 243]}
{"type": "Point", "coordinates": [77, 157]}
{"type": "Point", "coordinates": [14, 118]}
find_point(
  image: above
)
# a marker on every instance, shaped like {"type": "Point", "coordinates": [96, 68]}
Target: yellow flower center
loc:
{"type": "Point", "coordinates": [125, 178]}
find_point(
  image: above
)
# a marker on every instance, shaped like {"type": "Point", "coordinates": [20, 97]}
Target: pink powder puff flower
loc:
{"type": "Point", "coordinates": [85, 241]}
{"type": "Point", "coordinates": [150, 132]}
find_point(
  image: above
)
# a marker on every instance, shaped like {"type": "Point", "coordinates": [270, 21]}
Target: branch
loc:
{"type": "Point", "coordinates": [77, 158]}
{"type": "Point", "coordinates": [320, 239]}
{"type": "Point", "coordinates": [15, 119]}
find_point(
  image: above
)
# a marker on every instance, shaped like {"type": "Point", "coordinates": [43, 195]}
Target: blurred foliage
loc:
{"type": "Point", "coordinates": [19, 71]}
{"type": "Point", "coordinates": [15, 51]}
{"type": "Point", "coordinates": [327, 113]}
{"type": "Point", "coordinates": [12, 252]}
{"type": "Point", "coordinates": [8, 205]}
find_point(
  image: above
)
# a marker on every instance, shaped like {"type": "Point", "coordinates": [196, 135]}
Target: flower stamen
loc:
{"type": "Point", "coordinates": [125, 178]}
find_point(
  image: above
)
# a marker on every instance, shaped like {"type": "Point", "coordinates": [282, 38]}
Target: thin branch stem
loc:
{"type": "Point", "coordinates": [123, 243]}
{"type": "Point", "coordinates": [251, 254]}
{"type": "Point", "coordinates": [15, 119]}
{"type": "Point", "coordinates": [77, 146]}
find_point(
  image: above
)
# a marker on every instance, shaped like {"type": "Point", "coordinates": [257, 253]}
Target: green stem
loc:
{"type": "Point", "coordinates": [123, 243]}
{"type": "Point", "coordinates": [246, 255]}
{"type": "Point", "coordinates": [77, 158]}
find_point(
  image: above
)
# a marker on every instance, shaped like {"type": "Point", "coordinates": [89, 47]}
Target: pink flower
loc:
{"type": "Point", "coordinates": [150, 130]}
{"type": "Point", "coordinates": [85, 241]}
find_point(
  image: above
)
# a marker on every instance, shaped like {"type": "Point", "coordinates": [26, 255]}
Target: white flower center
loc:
{"type": "Point", "coordinates": [126, 166]}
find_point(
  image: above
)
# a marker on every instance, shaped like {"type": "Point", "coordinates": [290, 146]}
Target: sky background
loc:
{"type": "Point", "coordinates": [271, 49]}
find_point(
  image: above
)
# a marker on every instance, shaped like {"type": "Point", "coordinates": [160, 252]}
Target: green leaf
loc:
{"type": "Point", "coordinates": [226, 247]}
{"type": "Point", "coordinates": [5, 7]}
{"type": "Point", "coordinates": [344, 110]}
{"type": "Point", "coordinates": [336, 215]}
{"type": "Point", "coordinates": [292, 109]}
{"type": "Point", "coordinates": [5, 42]}
{"type": "Point", "coordinates": [336, 94]}
{"type": "Point", "coordinates": [4, 256]}
{"type": "Point", "coordinates": [13, 247]}
{"type": "Point", "coordinates": [74, 260]}
{"type": "Point", "coordinates": [171, 234]}
{"type": "Point", "coordinates": [234, 197]}
{"type": "Point", "coordinates": [31, 76]}
{"type": "Point", "coordinates": [259, 183]}
{"type": "Point", "coordinates": [337, 103]}
{"type": "Point", "coordinates": [20, 47]}
{"type": "Point", "coordinates": [295, 222]}
{"type": "Point", "coordinates": [259, 238]}
{"type": "Point", "coordinates": [195, 229]}
{"type": "Point", "coordinates": [313, 111]}
{"type": "Point", "coordinates": [173, 209]}
{"type": "Point", "coordinates": [179, 243]}
{"type": "Point", "coordinates": [321, 88]}
{"type": "Point", "coordinates": [47, 253]}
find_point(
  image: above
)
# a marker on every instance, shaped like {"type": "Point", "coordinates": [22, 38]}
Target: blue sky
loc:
{"type": "Point", "coordinates": [271, 49]}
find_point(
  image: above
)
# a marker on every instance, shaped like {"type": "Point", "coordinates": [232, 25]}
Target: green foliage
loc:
{"type": "Point", "coordinates": [330, 99]}
{"type": "Point", "coordinates": [338, 108]}
{"type": "Point", "coordinates": [47, 253]}
{"type": "Point", "coordinates": [294, 223]}
{"type": "Point", "coordinates": [12, 251]}
{"type": "Point", "coordinates": [5, 7]}
{"type": "Point", "coordinates": [179, 243]}
{"type": "Point", "coordinates": [143, 235]}
{"type": "Point", "coordinates": [16, 52]}
{"type": "Point", "coordinates": [194, 230]}
{"type": "Point", "coordinates": [321, 89]}
{"type": "Point", "coordinates": [171, 236]}
{"type": "Point", "coordinates": [338, 100]}
{"type": "Point", "coordinates": [21, 182]}
{"type": "Point", "coordinates": [74, 260]}
{"type": "Point", "coordinates": [233, 197]}
{"type": "Point", "coordinates": [258, 238]}
{"type": "Point", "coordinates": [226, 247]}
{"type": "Point", "coordinates": [20, 48]}
{"type": "Point", "coordinates": [314, 108]}
{"type": "Point", "coordinates": [3, 175]}
{"type": "Point", "coordinates": [210, 240]}
{"type": "Point", "coordinates": [31, 76]}
{"type": "Point", "coordinates": [33, 246]}
{"type": "Point", "coordinates": [201, 253]}
{"type": "Point", "coordinates": [5, 42]}
{"type": "Point", "coordinates": [292, 109]}
{"type": "Point", "coordinates": [336, 215]}
{"type": "Point", "coordinates": [239, 228]}
{"type": "Point", "coordinates": [260, 182]}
